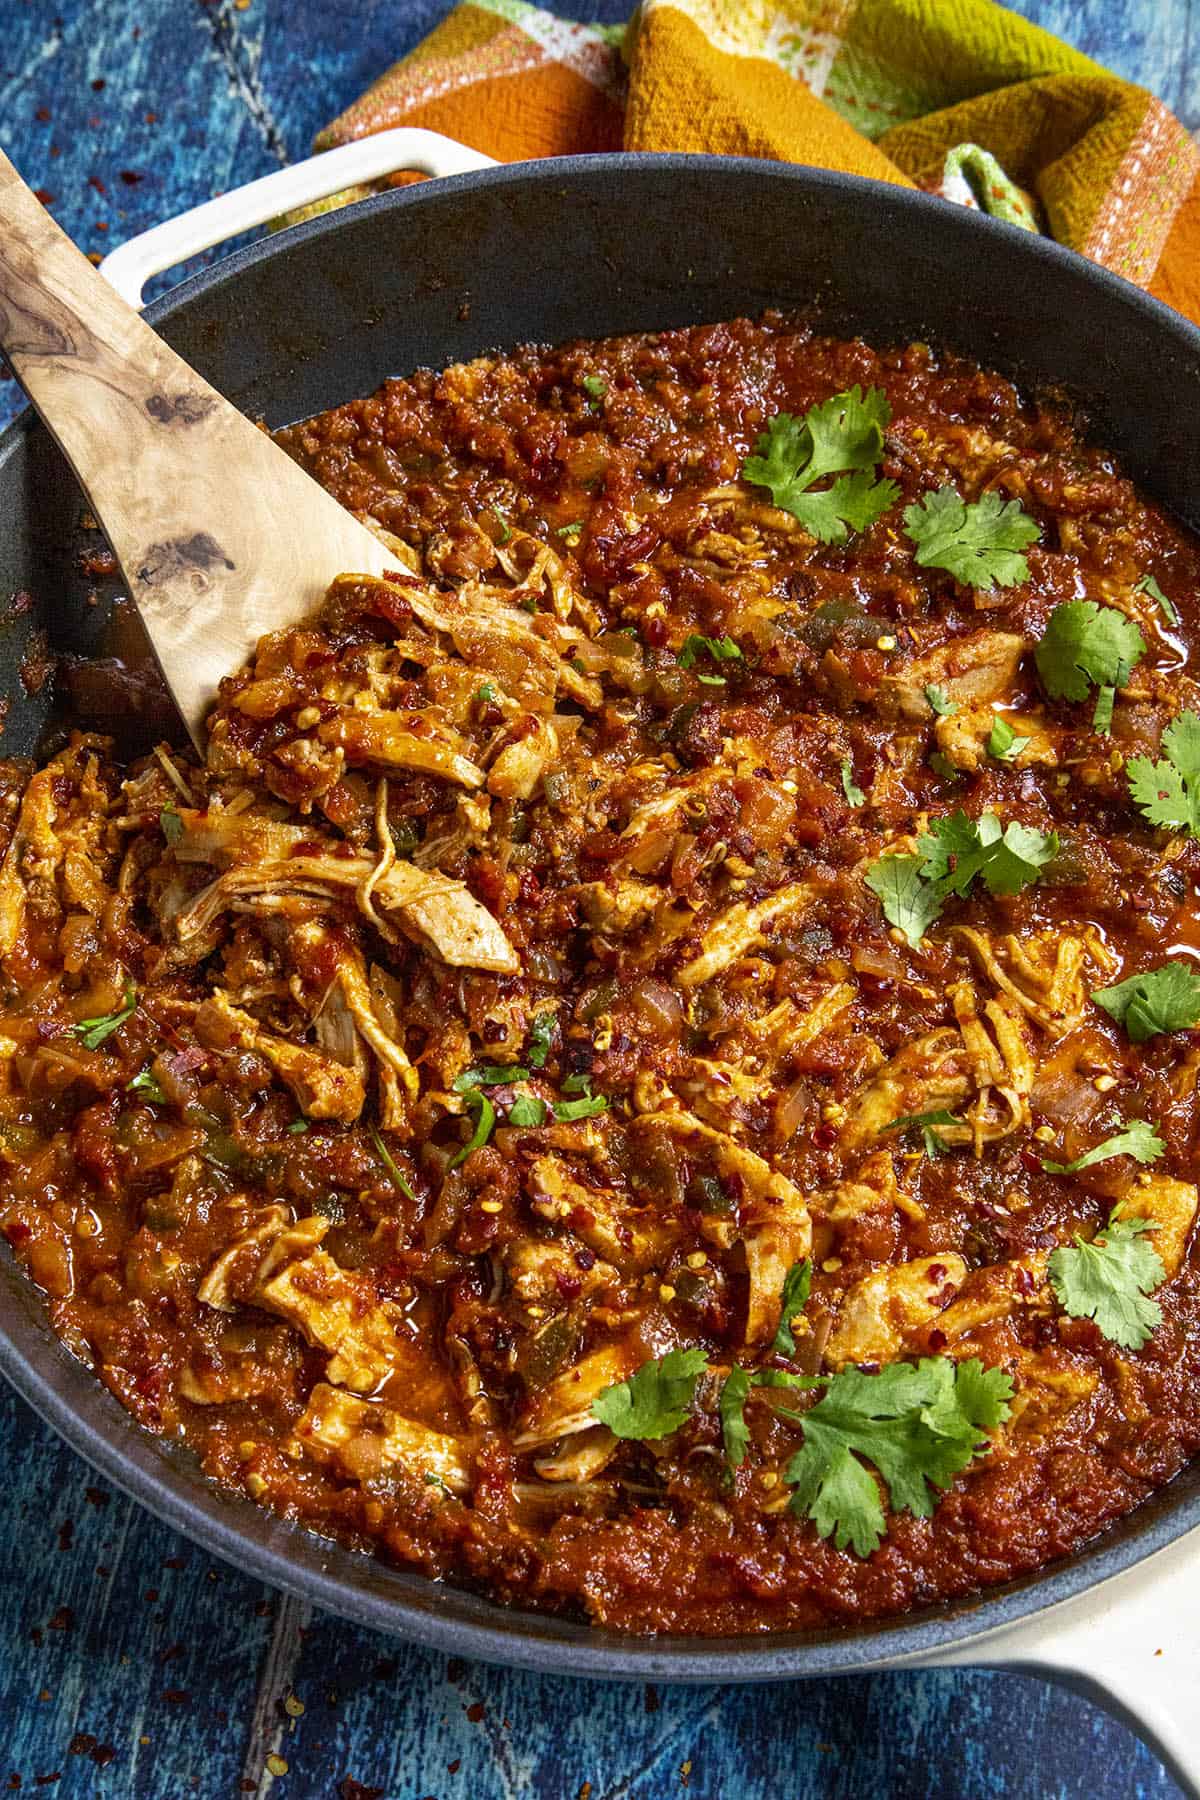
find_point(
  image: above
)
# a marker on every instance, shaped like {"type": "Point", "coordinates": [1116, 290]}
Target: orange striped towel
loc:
{"type": "Point", "coordinates": [959, 97]}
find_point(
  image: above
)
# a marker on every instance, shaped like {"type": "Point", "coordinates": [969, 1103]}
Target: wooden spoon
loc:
{"type": "Point", "coordinates": [219, 534]}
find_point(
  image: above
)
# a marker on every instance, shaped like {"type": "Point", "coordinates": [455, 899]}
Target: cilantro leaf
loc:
{"type": "Point", "coordinates": [566, 1110]}
{"type": "Point", "coordinates": [655, 1400]}
{"type": "Point", "coordinates": [913, 888]}
{"type": "Point", "coordinates": [489, 1075]}
{"type": "Point", "coordinates": [925, 1122]}
{"type": "Point", "coordinates": [1168, 608]}
{"type": "Point", "coordinates": [1108, 1280]}
{"type": "Point", "coordinates": [389, 1162]}
{"type": "Point", "coordinates": [908, 902]}
{"type": "Point", "coordinates": [297, 1128]}
{"type": "Point", "coordinates": [595, 385]}
{"type": "Point", "coordinates": [722, 649]}
{"type": "Point", "coordinates": [797, 1285]}
{"type": "Point", "coordinates": [940, 702]}
{"type": "Point", "coordinates": [1138, 1140]}
{"type": "Point", "coordinates": [527, 1111]}
{"type": "Point", "coordinates": [1007, 858]}
{"type": "Point", "coordinates": [917, 1425]}
{"type": "Point", "coordinates": [979, 543]}
{"type": "Point", "coordinates": [148, 1086]}
{"type": "Point", "coordinates": [1163, 999]}
{"type": "Point", "coordinates": [1003, 743]}
{"type": "Point", "coordinates": [843, 436]}
{"type": "Point", "coordinates": [854, 794]}
{"type": "Point", "coordinates": [93, 1032]}
{"type": "Point", "coordinates": [1102, 718]}
{"type": "Point", "coordinates": [541, 1036]}
{"type": "Point", "coordinates": [1085, 645]}
{"type": "Point", "coordinates": [1168, 791]}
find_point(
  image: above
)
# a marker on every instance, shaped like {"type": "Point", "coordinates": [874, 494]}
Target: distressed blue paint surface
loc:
{"type": "Point", "coordinates": [116, 1635]}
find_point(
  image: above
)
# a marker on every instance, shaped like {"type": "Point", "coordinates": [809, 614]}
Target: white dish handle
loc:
{"type": "Point", "coordinates": [130, 266]}
{"type": "Point", "coordinates": [1132, 1646]}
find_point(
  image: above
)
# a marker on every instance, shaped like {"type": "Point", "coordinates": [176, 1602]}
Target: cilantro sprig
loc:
{"type": "Point", "coordinates": [1162, 999]}
{"type": "Point", "coordinates": [917, 1425]}
{"type": "Point", "coordinates": [956, 851]}
{"type": "Point", "coordinates": [940, 702]}
{"type": "Point", "coordinates": [842, 437]}
{"type": "Point", "coordinates": [1168, 791]}
{"type": "Point", "coordinates": [797, 1285]}
{"type": "Point", "coordinates": [979, 542]}
{"type": "Point", "coordinates": [735, 1391]}
{"type": "Point", "coordinates": [1146, 584]}
{"type": "Point", "coordinates": [1109, 1278]}
{"type": "Point", "coordinates": [1139, 1140]}
{"type": "Point", "coordinates": [655, 1400]}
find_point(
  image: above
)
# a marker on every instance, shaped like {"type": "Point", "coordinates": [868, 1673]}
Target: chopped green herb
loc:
{"type": "Point", "coordinates": [797, 1285]}
{"type": "Point", "coordinates": [1168, 608]}
{"type": "Point", "coordinates": [596, 386]}
{"type": "Point", "coordinates": [1163, 999]}
{"type": "Point", "coordinates": [980, 543]}
{"type": "Point", "coordinates": [925, 1123]}
{"type": "Point", "coordinates": [432, 1480]}
{"type": "Point", "coordinates": [1003, 742]}
{"type": "Point", "coordinates": [297, 1127]}
{"type": "Point", "coordinates": [484, 1114]}
{"type": "Point", "coordinates": [171, 825]}
{"type": "Point", "coordinates": [527, 1110]}
{"type": "Point", "coordinates": [485, 693]}
{"type": "Point", "coordinates": [1168, 791]}
{"type": "Point", "coordinates": [722, 649]}
{"type": "Point", "coordinates": [655, 1400]}
{"type": "Point", "coordinates": [571, 530]}
{"type": "Point", "coordinates": [1086, 645]}
{"type": "Point", "coordinates": [1109, 1278]}
{"type": "Point", "coordinates": [917, 1425]}
{"type": "Point", "coordinates": [489, 1075]}
{"type": "Point", "coordinates": [1138, 1140]}
{"type": "Point", "coordinates": [505, 528]}
{"type": "Point", "coordinates": [854, 794]}
{"type": "Point", "coordinates": [941, 703]}
{"type": "Point", "coordinates": [941, 765]}
{"type": "Point", "coordinates": [389, 1163]}
{"type": "Point", "coordinates": [843, 436]}
{"type": "Point", "coordinates": [541, 1035]}
{"type": "Point", "coordinates": [93, 1032]}
{"type": "Point", "coordinates": [580, 1083]}
{"type": "Point", "coordinates": [567, 1110]}
{"type": "Point", "coordinates": [148, 1086]}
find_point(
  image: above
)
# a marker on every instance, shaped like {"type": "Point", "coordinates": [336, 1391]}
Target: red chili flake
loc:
{"type": "Point", "coordinates": [18, 1233]}
{"type": "Point", "coordinates": [66, 1532]}
{"type": "Point", "coordinates": [452, 1768]}
{"type": "Point", "coordinates": [349, 1789]}
{"type": "Point", "coordinates": [96, 1496]}
{"type": "Point", "coordinates": [101, 224]}
{"type": "Point", "coordinates": [131, 177]}
{"type": "Point", "coordinates": [937, 1272]}
{"type": "Point", "coordinates": [151, 118]}
{"type": "Point", "coordinates": [824, 1137]}
{"type": "Point", "coordinates": [937, 1341]}
{"type": "Point", "coordinates": [475, 1711]}
{"type": "Point", "coordinates": [63, 1620]}
{"type": "Point", "coordinates": [44, 195]}
{"type": "Point", "coordinates": [42, 113]}
{"type": "Point", "coordinates": [94, 181]}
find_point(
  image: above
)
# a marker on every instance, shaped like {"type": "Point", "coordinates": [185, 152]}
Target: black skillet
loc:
{"type": "Point", "coordinates": [585, 247]}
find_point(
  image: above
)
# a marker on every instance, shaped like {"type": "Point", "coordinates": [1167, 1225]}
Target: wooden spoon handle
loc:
{"type": "Point", "coordinates": [219, 534]}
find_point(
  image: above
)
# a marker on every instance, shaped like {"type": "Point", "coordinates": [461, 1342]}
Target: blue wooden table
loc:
{"type": "Point", "coordinates": [129, 1664]}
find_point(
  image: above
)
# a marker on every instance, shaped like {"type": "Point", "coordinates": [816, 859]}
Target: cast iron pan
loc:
{"type": "Point", "coordinates": [581, 247]}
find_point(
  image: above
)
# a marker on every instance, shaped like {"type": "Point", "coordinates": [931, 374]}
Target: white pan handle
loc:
{"type": "Point", "coordinates": [1132, 1645]}
{"type": "Point", "coordinates": [130, 266]}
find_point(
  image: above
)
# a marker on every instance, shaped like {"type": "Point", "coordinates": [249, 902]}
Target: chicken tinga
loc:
{"type": "Point", "coordinates": [652, 1070]}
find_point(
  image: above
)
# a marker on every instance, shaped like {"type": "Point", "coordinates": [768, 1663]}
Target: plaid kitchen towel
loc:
{"type": "Point", "coordinates": [959, 97]}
